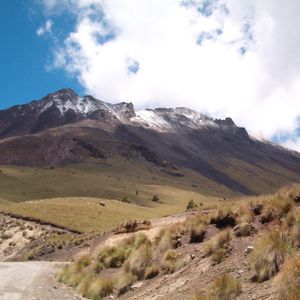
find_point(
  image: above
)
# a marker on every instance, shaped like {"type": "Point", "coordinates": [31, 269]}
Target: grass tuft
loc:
{"type": "Point", "coordinates": [171, 262]}
{"type": "Point", "coordinates": [197, 233]}
{"type": "Point", "coordinates": [224, 287]}
{"type": "Point", "coordinates": [218, 246]}
{"type": "Point", "coordinates": [288, 280]}
{"type": "Point", "coordinates": [269, 253]}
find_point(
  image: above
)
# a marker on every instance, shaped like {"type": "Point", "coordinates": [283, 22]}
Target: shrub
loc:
{"type": "Point", "coordinates": [276, 208]}
{"type": "Point", "coordinates": [218, 246]}
{"type": "Point", "coordinates": [139, 240]}
{"type": "Point", "coordinates": [155, 198]}
{"type": "Point", "coordinates": [245, 214]}
{"type": "Point", "coordinates": [171, 263]}
{"type": "Point", "coordinates": [100, 288]}
{"type": "Point", "coordinates": [288, 280]}
{"type": "Point", "coordinates": [197, 233]}
{"type": "Point", "coordinates": [269, 253]}
{"type": "Point", "coordinates": [224, 287]}
{"type": "Point", "coordinates": [125, 199]}
{"type": "Point", "coordinates": [139, 260]}
{"type": "Point", "coordinates": [169, 238]}
{"type": "Point", "coordinates": [218, 255]}
{"type": "Point", "coordinates": [151, 271]}
{"type": "Point", "coordinates": [114, 257]}
{"type": "Point", "coordinates": [244, 229]}
{"type": "Point", "coordinates": [97, 267]}
{"type": "Point", "coordinates": [293, 217]}
{"type": "Point", "coordinates": [191, 205]}
{"type": "Point", "coordinates": [125, 281]}
{"type": "Point", "coordinates": [295, 235]}
{"type": "Point", "coordinates": [5, 236]}
{"type": "Point", "coordinates": [224, 217]}
{"type": "Point", "coordinates": [83, 283]}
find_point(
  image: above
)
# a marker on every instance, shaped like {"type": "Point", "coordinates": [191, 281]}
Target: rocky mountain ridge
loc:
{"type": "Point", "coordinates": [64, 128]}
{"type": "Point", "coordinates": [65, 106]}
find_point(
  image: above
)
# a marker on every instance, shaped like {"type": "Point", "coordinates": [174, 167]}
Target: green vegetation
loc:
{"type": "Point", "coordinates": [78, 190]}
{"type": "Point", "coordinates": [93, 216]}
{"type": "Point", "coordinates": [111, 180]}
{"type": "Point", "coordinates": [134, 258]}
{"type": "Point", "coordinates": [191, 205]}
{"type": "Point", "coordinates": [155, 198]}
{"type": "Point", "coordinates": [86, 282]}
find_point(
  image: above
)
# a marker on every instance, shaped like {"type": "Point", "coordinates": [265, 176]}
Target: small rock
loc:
{"type": "Point", "coordinates": [249, 249]}
{"type": "Point", "coordinates": [240, 271]}
{"type": "Point", "coordinates": [102, 203]}
{"type": "Point", "coordinates": [235, 228]}
{"type": "Point", "coordinates": [137, 285]}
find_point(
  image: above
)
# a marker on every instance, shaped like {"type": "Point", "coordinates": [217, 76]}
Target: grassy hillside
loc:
{"type": "Point", "coordinates": [111, 180]}
{"type": "Point", "coordinates": [86, 214]}
{"type": "Point", "coordinates": [70, 195]}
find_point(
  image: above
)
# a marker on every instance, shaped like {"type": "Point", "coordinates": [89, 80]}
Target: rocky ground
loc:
{"type": "Point", "coordinates": [36, 280]}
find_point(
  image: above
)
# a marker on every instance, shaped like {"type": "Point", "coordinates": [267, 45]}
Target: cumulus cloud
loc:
{"type": "Point", "coordinates": [47, 28]}
{"type": "Point", "coordinates": [222, 57]}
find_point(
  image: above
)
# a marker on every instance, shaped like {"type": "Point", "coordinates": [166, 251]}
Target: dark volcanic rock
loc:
{"type": "Point", "coordinates": [65, 128]}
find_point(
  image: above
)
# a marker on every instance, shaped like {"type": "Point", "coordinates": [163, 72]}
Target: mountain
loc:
{"type": "Point", "coordinates": [64, 128]}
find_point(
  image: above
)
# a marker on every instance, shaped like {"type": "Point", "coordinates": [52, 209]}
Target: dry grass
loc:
{"type": "Point", "coordinates": [152, 271]}
{"type": "Point", "coordinates": [276, 208]}
{"type": "Point", "coordinates": [224, 287]}
{"type": "Point", "coordinates": [269, 253]}
{"type": "Point", "coordinates": [95, 217]}
{"type": "Point", "coordinates": [110, 181]}
{"type": "Point", "coordinates": [218, 246]}
{"type": "Point", "coordinates": [169, 237]}
{"type": "Point", "coordinates": [84, 280]}
{"type": "Point", "coordinates": [114, 257]}
{"type": "Point", "coordinates": [245, 214]}
{"type": "Point", "coordinates": [244, 229]}
{"type": "Point", "coordinates": [139, 260]}
{"type": "Point", "coordinates": [171, 262]}
{"type": "Point", "coordinates": [197, 233]}
{"type": "Point", "coordinates": [125, 280]}
{"type": "Point", "coordinates": [288, 280]}
{"type": "Point", "coordinates": [100, 288]}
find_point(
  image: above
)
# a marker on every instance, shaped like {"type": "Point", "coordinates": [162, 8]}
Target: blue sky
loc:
{"type": "Point", "coordinates": [221, 57]}
{"type": "Point", "coordinates": [24, 55]}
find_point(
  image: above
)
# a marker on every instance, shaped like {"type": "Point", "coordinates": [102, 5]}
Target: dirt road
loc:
{"type": "Point", "coordinates": [32, 281]}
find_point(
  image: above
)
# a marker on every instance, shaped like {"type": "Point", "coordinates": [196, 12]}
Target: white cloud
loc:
{"type": "Point", "coordinates": [292, 144]}
{"type": "Point", "coordinates": [259, 89]}
{"type": "Point", "coordinates": [47, 28]}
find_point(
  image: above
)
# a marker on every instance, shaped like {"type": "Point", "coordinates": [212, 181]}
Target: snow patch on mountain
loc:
{"type": "Point", "coordinates": [160, 119]}
{"type": "Point", "coordinates": [168, 118]}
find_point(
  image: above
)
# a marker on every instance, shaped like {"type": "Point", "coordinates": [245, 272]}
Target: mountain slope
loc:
{"type": "Point", "coordinates": [64, 128]}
